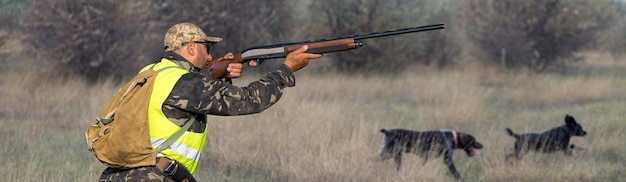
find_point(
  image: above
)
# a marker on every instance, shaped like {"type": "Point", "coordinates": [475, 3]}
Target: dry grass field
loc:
{"type": "Point", "coordinates": [327, 127]}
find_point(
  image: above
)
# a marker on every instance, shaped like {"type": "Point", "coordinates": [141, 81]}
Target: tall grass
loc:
{"type": "Point", "coordinates": [326, 128]}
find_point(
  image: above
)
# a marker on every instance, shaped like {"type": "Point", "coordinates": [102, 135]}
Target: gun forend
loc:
{"type": "Point", "coordinates": [281, 51]}
{"type": "Point", "coordinates": [327, 46]}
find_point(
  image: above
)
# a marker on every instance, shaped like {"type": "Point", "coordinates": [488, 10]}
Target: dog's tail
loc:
{"type": "Point", "coordinates": [383, 130]}
{"type": "Point", "coordinates": [508, 130]}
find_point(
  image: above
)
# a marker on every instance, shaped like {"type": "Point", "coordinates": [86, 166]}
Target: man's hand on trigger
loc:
{"type": "Point", "coordinates": [299, 59]}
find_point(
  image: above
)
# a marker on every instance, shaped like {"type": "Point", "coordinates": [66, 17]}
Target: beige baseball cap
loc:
{"type": "Point", "coordinates": [181, 33]}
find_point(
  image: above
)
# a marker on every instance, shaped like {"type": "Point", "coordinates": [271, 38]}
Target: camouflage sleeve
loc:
{"type": "Point", "coordinates": [204, 95]}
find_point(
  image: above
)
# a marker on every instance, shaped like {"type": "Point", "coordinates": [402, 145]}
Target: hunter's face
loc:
{"type": "Point", "coordinates": [203, 53]}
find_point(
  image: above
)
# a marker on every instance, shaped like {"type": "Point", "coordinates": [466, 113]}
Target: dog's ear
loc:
{"type": "Point", "coordinates": [569, 119]}
{"type": "Point", "coordinates": [478, 145]}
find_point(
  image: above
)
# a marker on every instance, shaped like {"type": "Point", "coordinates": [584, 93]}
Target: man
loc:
{"type": "Point", "coordinates": [188, 93]}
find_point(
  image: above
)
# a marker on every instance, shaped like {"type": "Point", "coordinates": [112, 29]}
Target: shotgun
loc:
{"type": "Point", "coordinates": [261, 53]}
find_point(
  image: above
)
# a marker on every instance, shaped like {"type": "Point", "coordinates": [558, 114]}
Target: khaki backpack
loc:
{"type": "Point", "coordinates": [119, 136]}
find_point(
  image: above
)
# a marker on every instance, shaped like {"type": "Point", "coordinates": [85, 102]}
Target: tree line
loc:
{"type": "Point", "coordinates": [99, 39]}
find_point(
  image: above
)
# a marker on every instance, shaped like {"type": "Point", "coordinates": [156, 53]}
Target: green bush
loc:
{"type": "Point", "coordinates": [614, 40]}
{"type": "Point", "coordinates": [99, 39]}
{"type": "Point", "coordinates": [11, 12]}
{"type": "Point", "coordinates": [385, 54]}
{"type": "Point", "coordinates": [95, 39]}
{"type": "Point", "coordinates": [538, 35]}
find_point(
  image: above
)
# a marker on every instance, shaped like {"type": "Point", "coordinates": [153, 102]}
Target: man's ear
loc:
{"type": "Point", "coordinates": [190, 47]}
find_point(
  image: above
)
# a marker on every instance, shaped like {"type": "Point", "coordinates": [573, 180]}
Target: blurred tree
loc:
{"type": "Point", "coordinates": [389, 54]}
{"type": "Point", "coordinates": [98, 39]}
{"type": "Point", "coordinates": [95, 39]}
{"type": "Point", "coordinates": [11, 12]}
{"type": "Point", "coordinates": [536, 34]}
{"type": "Point", "coordinates": [615, 39]}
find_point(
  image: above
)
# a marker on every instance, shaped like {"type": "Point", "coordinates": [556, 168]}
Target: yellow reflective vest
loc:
{"type": "Point", "coordinates": [186, 150]}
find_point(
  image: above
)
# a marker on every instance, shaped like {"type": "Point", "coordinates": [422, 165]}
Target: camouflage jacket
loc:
{"type": "Point", "coordinates": [197, 94]}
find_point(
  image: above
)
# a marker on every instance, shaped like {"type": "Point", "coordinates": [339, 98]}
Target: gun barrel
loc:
{"type": "Point", "coordinates": [399, 31]}
{"type": "Point", "coordinates": [273, 51]}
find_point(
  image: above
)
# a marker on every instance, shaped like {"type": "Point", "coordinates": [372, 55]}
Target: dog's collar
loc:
{"type": "Point", "coordinates": [454, 136]}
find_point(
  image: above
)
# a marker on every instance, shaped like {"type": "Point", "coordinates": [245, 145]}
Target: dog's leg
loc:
{"type": "Point", "coordinates": [384, 156]}
{"type": "Point", "coordinates": [567, 150]}
{"type": "Point", "coordinates": [520, 148]}
{"type": "Point", "coordinates": [398, 160]}
{"type": "Point", "coordinates": [519, 155]}
{"type": "Point", "coordinates": [516, 153]}
{"type": "Point", "coordinates": [448, 160]}
{"type": "Point", "coordinates": [572, 147]}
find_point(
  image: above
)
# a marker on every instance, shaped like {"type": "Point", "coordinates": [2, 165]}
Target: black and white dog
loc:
{"type": "Point", "coordinates": [427, 144]}
{"type": "Point", "coordinates": [556, 139]}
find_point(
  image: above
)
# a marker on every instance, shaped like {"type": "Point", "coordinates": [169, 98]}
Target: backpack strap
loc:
{"type": "Point", "coordinates": [109, 117]}
{"type": "Point", "coordinates": [154, 64]}
{"type": "Point", "coordinates": [175, 136]}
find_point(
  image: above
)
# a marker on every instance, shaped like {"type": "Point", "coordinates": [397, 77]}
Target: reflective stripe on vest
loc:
{"type": "Point", "coordinates": [186, 150]}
